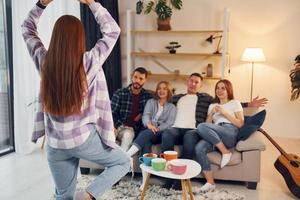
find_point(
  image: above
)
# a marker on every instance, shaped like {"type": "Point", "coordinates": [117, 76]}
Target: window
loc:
{"type": "Point", "coordinates": [6, 87]}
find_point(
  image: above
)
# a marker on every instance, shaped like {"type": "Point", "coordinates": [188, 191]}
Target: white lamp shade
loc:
{"type": "Point", "coordinates": [253, 55]}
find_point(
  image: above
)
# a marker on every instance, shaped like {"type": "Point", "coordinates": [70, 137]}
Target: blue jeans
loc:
{"type": "Point", "coordinates": [63, 164]}
{"type": "Point", "coordinates": [145, 139]}
{"type": "Point", "coordinates": [211, 135]}
{"type": "Point", "coordinates": [180, 136]}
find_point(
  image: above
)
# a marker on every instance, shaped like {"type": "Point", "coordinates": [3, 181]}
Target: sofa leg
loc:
{"type": "Point", "coordinates": [251, 185]}
{"type": "Point", "coordinates": [84, 170]}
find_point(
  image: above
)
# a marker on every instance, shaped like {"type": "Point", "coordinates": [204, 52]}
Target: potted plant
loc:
{"type": "Point", "coordinates": [162, 8]}
{"type": "Point", "coordinates": [172, 47]}
{"type": "Point", "coordinates": [295, 79]}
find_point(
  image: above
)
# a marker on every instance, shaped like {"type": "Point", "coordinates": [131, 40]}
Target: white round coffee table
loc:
{"type": "Point", "coordinates": [193, 169]}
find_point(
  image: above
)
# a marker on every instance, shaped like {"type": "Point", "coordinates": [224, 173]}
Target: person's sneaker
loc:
{"type": "Point", "coordinates": [207, 187]}
{"type": "Point", "coordinates": [225, 159]}
{"type": "Point", "coordinates": [177, 185]}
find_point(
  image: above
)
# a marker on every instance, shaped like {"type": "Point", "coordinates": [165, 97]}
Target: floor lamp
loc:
{"type": "Point", "coordinates": [253, 55]}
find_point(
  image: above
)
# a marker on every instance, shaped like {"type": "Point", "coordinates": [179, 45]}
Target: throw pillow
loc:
{"type": "Point", "coordinates": [251, 124]}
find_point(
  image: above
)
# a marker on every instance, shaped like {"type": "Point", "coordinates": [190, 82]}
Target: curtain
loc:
{"type": "Point", "coordinates": [112, 66]}
{"type": "Point", "coordinates": [26, 79]}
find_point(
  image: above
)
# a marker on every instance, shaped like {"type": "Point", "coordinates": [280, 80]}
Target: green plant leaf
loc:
{"type": "Point", "coordinates": [176, 4]}
{"type": "Point", "coordinates": [162, 10]}
{"type": "Point", "coordinates": [149, 7]}
{"type": "Point", "coordinates": [139, 7]}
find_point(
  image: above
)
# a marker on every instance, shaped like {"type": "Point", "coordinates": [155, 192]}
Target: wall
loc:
{"type": "Point", "coordinates": [269, 24]}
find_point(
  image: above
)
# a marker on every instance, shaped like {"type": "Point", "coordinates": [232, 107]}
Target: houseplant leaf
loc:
{"type": "Point", "coordinates": [162, 10]}
{"type": "Point", "coordinates": [149, 7]}
{"type": "Point", "coordinates": [139, 7]}
{"type": "Point", "coordinates": [176, 4]}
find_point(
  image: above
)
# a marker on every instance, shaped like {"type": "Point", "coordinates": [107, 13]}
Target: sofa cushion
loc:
{"type": "Point", "coordinates": [215, 158]}
{"type": "Point", "coordinates": [254, 142]}
{"type": "Point", "coordinates": [252, 124]}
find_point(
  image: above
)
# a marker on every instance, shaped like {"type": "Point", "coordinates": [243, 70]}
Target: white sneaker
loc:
{"type": "Point", "coordinates": [207, 187]}
{"type": "Point", "coordinates": [225, 159]}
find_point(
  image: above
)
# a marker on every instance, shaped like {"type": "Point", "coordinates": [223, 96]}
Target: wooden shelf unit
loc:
{"type": "Point", "coordinates": [178, 76]}
{"type": "Point", "coordinates": [175, 31]}
{"type": "Point", "coordinates": [132, 53]}
{"type": "Point", "coordinates": [162, 54]}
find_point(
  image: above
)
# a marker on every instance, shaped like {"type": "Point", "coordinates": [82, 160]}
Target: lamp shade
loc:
{"type": "Point", "coordinates": [253, 55]}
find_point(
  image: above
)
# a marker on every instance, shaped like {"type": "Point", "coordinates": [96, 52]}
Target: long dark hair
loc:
{"type": "Point", "coordinates": [63, 79]}
{"type": "Point", "coordinates": [228, 87]}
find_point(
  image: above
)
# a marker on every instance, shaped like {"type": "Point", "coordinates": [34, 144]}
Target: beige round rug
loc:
{"type": "Point", "coordinates": [129, 190]}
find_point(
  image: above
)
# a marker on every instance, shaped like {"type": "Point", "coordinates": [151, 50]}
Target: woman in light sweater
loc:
{"type": "Point", "coordinates": [159, 114]}
{"type": "Point", "coordinates": [220, 131]}
{"type": "Point", "coordinates": [75, 110]}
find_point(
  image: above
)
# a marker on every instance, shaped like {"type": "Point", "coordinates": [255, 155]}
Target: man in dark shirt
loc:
{"type": "Point", "coordinates": [128, 106]}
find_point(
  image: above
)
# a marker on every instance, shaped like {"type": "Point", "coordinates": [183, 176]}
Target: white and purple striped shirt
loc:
{"type": "Point", "coordinates": [72, 131]}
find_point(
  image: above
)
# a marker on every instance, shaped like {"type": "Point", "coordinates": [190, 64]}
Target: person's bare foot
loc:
{"type": "Point", "coordinates": [83, 195]}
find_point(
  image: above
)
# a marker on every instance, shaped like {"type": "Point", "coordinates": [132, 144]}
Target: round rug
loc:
{"type": "Point", "coordinates": [129, 190]}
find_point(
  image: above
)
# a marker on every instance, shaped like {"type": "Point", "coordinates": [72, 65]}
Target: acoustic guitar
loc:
{"type": "Point", "coordinates": [289, 167]}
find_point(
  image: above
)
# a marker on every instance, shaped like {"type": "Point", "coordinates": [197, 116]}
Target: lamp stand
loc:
{"type": "Point", "coordinates": [252, 82]}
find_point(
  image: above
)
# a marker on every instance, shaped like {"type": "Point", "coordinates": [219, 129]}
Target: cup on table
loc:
{"type": "Point", "coordinates": [158, 164]}
{"type": "Point", "coordinates": [169, 155]}
{"type": "Point", "coordinates": [177, 167]}
{"type": "Point", "coordinates": [147, 157]}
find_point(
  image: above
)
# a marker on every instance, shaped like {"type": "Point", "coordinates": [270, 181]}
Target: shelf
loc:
{"type": "Point", "coordinates": [177, 76]}
{"type": "Point", "coordinates": [175, 31]}
{"type": "Point", "coordinates": [161, 54]}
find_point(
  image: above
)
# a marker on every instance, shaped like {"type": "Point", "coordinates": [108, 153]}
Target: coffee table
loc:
{"type": "Point", "coordinates": [193, 169]}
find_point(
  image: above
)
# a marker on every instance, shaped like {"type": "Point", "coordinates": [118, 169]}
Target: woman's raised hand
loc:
{"type": "Point", "coordinates": [88, 2]}
{"type": "Point", "coordinates": [45, 2]}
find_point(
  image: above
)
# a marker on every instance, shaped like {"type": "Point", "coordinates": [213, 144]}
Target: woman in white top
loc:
{"type": "Point", "coordinates": [224, 118]}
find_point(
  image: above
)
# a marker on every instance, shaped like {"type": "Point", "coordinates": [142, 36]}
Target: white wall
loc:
{"type": "Point", "coordinates": [269, 24]}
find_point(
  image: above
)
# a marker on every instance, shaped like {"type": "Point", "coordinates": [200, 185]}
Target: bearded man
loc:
{"type": "Point", "coordinates": [128, 106]}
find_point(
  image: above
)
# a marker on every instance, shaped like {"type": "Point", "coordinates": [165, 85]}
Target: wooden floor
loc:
{"type": "Point", "coordinates": [27, 177]}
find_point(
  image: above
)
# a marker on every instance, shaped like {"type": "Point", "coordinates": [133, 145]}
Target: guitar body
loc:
{"type": "Point", "coordinates": [290, 170]}
{"type": "Point", "coordinates": [288, 165]}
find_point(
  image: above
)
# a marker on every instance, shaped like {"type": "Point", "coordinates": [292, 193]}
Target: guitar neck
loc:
{"type": "Point", "coordinates": [274, 143]}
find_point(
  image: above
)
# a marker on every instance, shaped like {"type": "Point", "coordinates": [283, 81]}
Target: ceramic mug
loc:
{"type": "Point", "coordinates": [177, 167]}
{"type": "Point", "coordinates": [169, 155]}
{"type": "Point", "coordinates": [158, 164]}
{"type": "Point", "coordinates": [147, 157]}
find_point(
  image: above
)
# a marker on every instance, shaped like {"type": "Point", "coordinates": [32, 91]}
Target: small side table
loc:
{"type": "Point", "coordinates": [193, 169]}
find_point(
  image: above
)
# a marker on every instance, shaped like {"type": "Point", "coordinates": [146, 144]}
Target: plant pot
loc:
{"type": "Point", "coordinates": [172, 51]}
{"type": "Point", "coordinates": [163, 24]}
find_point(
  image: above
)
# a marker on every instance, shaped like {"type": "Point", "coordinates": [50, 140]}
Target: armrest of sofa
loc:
{"type": "Point", "coordinates": [254, 142]}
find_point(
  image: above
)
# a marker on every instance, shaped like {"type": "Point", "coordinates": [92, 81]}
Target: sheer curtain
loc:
{"type": "Point", "coordinates": [26, 79]}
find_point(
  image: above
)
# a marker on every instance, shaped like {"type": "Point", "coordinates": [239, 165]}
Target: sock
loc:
{"type": "Point", "coordinates": [133, 150]}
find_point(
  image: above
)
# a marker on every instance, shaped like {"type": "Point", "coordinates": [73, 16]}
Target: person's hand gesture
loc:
{"type": "Point", "coordinates": [256, 102]}
{"type": "Point", "coordinates": [88, 2]}
{"type": "Point", "coordinates": [219, 109]}
{"type": "Point", "coordinates": [45, 2]}
{"type": "Point", "coordinates": [152, 128]}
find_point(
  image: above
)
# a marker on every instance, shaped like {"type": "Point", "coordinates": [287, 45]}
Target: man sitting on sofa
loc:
{"type": "Point", "coordinates": [191, 110]}
{"type": "Point", "coordinates": [128, 106]}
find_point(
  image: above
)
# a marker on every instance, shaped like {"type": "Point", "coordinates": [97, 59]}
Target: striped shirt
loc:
{"type": "Point", "coordinates": [71, 131]}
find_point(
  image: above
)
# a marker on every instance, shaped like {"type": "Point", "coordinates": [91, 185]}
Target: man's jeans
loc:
{"type": "Point", "coordinates": [63, 164]}
{"type": "Point", "coordinates": [145, 139]}
{"type": "Point", "coordinates": [212, 134]}
{"type": "Point", "coordinates": [180, 136]}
